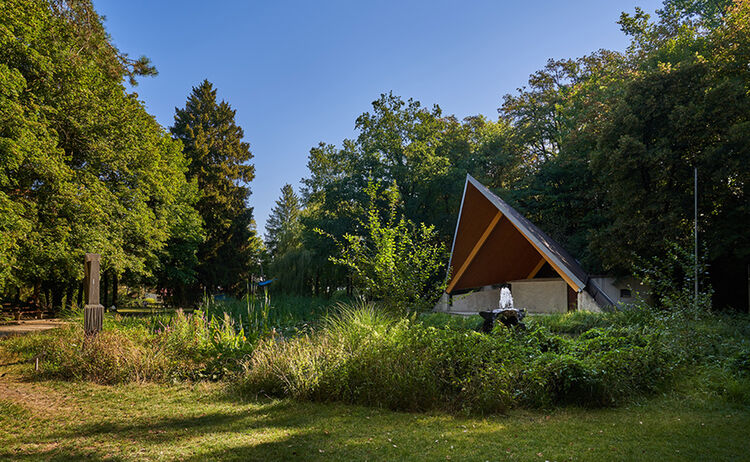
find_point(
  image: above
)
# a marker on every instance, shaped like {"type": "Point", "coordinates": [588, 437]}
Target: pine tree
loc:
{"type": "Point", "coordinates": [219, 162]}
{"type": "Point", "coordinates": [283, 231]}
{"type": "Point", "coordinates": [291, 263]}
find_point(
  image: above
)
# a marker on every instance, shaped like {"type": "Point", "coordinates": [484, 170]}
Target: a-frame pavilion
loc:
{"type": "Point", "coordinates": [495, 245]}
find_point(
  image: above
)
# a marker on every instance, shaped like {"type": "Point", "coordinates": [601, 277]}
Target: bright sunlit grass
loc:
{"type": "Point", "coordinates": [63, 421]}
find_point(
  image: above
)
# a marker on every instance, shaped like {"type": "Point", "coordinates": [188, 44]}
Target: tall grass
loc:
{"type": "Point", "coordinates": [362, 356]}
{"type": "Point", "coordinates": [261, 313]}
{"type": "Point", "coordinates": [184, 346]}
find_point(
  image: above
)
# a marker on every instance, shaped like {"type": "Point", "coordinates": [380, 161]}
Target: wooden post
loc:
{"type": "Point", "coordinates": [93, 312]}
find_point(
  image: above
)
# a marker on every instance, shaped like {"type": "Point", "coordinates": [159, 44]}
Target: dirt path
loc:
{"type": "Point", "coordinates": [36, 397]}
{"type": "Point", "coordinates": [33, 325]}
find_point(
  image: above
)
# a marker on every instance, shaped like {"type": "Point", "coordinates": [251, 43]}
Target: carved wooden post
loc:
{"type": "Point", "coordinates": [93, 312]}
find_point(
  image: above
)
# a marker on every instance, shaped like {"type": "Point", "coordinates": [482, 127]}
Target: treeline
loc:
{"type": "Point", "coordinates": [84, 168]}
{"type": "Point", "coordinates": [598, 151]}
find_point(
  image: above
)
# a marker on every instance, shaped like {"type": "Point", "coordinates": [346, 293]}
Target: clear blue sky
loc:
{"type": "Point", "coordinates": [301, 72]}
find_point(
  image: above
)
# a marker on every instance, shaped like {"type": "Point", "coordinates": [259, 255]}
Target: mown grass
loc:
{"type": "Point", "coordinates": [53, 420]}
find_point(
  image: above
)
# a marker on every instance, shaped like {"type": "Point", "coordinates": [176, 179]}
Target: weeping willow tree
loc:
{"type": "Point", "coordinates": [293, 271]}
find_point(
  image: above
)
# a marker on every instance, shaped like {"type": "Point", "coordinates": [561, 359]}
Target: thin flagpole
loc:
{"type": "Point", "coordinates": [695, 234]}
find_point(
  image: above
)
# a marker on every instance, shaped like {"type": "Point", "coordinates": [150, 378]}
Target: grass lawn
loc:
{"type": "Point", "coordinates": [50, 420]}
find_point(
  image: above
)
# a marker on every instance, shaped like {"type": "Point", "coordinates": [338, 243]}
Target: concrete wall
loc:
{"type": "Point", "coordinates": [587, 303]}
{"type": "Point", "coordinates": [442, 305]}
{"type": "Point", "coordinates": [474, 302]}
{"type": "Point", "coordinates": [612, 287]}
{"type": "Point", "coordinates": [540, 295]}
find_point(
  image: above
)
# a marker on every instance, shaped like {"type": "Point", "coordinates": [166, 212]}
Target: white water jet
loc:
{"type": "Point", "coordinates": [506, 299]}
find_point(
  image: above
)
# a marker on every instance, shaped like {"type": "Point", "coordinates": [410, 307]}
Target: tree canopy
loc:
{"type": "Point", "coordinates": [597, 150]}
{"type": "Point", "coordinates": [83, 166]}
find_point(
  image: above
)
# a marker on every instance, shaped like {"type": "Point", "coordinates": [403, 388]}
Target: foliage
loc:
{"type": "Point", "coordinates": [193, 346]}
{"type": "Point", "coordinates": [282, 228]}
{"type": "Point", "coordinates": [441, 320]}
{"type": "Point", "coordinates": [671, 279]}
{"type": "Point", "coordinates": [424, 153]}
{"type": "Point", "coordinates": [260, 313]}
{"type": "Point", "coordinates": [291, 266]}
{"type": "Point", "coordinates": [212, 142]}
{"type": "Point", "coordinates": [363, 356]}
{"type": "Point", "coordinates": [83, 166]}
{"type": "Point", "coordinates": [395, 262]}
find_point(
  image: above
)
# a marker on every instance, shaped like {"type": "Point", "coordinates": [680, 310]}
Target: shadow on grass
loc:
{"type": "Point", "coordinates": [168, 423]}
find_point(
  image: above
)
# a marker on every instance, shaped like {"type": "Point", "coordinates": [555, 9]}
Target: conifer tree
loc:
{"type": "Point", "coordinates": [291, 263]}
{"type": "Point", "coordinates": [283, 231]}
{"type": "Point", "coordinates": [219, 162]}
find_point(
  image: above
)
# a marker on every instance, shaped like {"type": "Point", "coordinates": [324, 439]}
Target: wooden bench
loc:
{"type": "Point", "coordinates": [31, 310]}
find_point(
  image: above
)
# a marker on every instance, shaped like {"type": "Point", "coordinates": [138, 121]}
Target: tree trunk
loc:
{"type": "Point", "coordinates": [114, 288]}
{"type": "Point", "coordinates": [69, 294]}
{"type": "Point", "coordinates": [57, 298]}
{"type": "Point", "coordinates": [80, 294]}
{"type": "Point", "coordinates": [104, 287]}
{"type": "Point", "coordinates": [37, 290]}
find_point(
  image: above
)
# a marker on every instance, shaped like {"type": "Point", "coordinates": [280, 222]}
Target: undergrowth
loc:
{"type": "Point", "coordinates": [358, 353]}
{"type": "Point", "coordinates": [363, 356]}
{"type": "Point", "coordinates": [184, 346]}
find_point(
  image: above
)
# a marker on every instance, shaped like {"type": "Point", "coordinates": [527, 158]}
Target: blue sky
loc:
{"type": "Point", "coordinates": [301, 72]}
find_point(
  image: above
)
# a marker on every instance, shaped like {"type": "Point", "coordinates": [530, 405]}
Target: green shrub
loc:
{"type": "Point", "coordinates": [361, 356]}
{"type": "Point", "coordinates": [574, 323]}
{"type": "Point", "coordinates": [393, 260]}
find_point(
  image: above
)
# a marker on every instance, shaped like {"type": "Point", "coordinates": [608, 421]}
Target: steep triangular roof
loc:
{"type": "Point", "coordinates": [494, 244]}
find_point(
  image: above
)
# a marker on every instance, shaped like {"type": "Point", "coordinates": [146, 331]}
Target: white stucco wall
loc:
{"type": "Point", "coordinates": [540, 295]}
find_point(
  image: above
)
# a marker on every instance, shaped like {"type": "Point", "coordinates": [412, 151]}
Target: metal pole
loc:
{"type": "Point", "coordinates": [695, 234]}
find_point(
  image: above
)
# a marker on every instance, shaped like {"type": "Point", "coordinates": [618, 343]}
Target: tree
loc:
{"type": "Point", "coordinates": [83, 166]}
{"type": "Point", "coordinates": [424, 153]}
{"type": "Point", "coordinates": [283, 226]}
{"type": "Point", "coordinates": [394, 261]}
{"type": "Point", "coordinates": [291, 264]}
{"type": "Point", "coordinates": [556, 121]}
{"type": "Point", "coordinates": [689, 109]}
{"type": "Point", "coordinates": [219, 158]}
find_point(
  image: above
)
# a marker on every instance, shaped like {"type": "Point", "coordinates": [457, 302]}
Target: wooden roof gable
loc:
{"type": "Point", "coordinates": [494, 244]}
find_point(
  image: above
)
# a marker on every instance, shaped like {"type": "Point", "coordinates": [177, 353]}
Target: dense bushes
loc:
{"type": "Point", "coordinates": [363, 355]}
{"type": "Point", "coordinates": [367, 358]}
